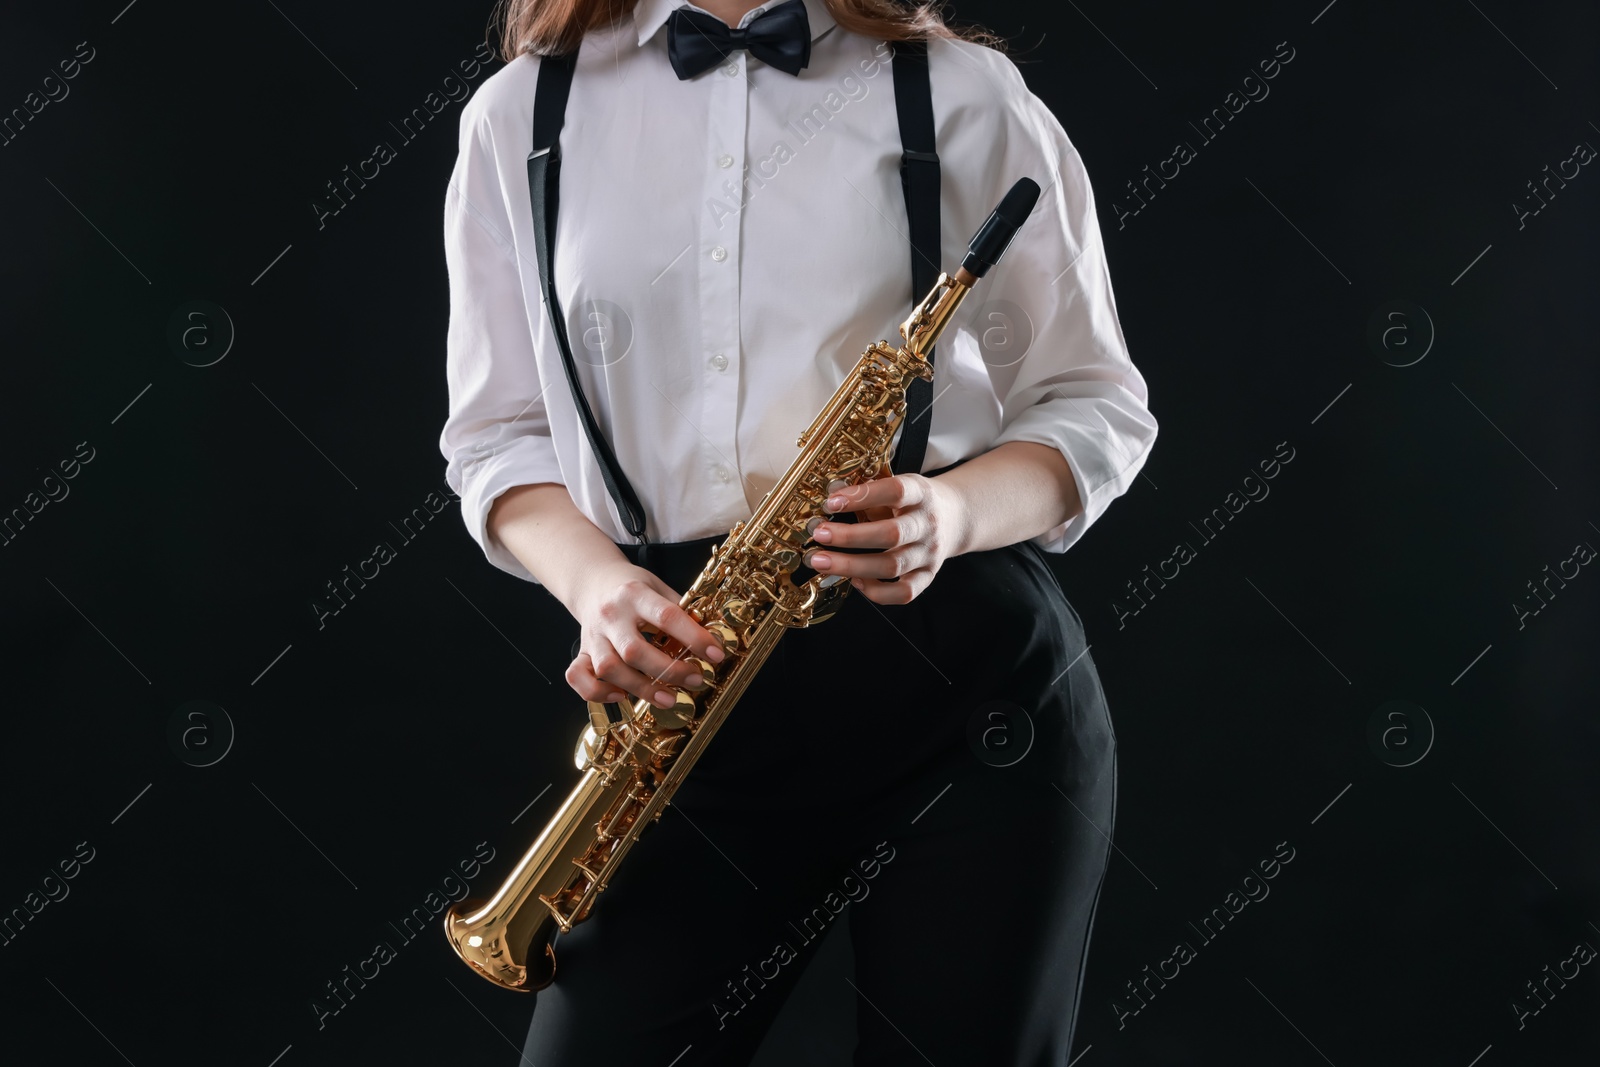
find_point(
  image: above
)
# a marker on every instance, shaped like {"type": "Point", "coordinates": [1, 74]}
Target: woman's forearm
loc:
{"type": "Point", "coordinates": [545, 531]}
{"type": "Point", "coordinates": [1011, 493]}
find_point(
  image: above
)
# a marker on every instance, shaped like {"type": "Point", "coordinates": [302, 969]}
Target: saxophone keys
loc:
{"type": "Point", "coordinates": [681, 713]}
{"type": "Point", "coordinates": [604, 716]}
{"type": "Point", "coordinates": [850, 466]}
{"type": "Point", "coordinates": [591, 743]}
{"type": "Point", "coordinates": [555, 913]}
{"type": "Point", "coordinates": [726, 635]}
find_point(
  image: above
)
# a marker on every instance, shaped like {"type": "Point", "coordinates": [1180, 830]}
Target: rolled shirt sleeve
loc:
{"type": "Point", "coordinates": [497, 433]}
{"type": "Point", "coordinates": [1074, 387]}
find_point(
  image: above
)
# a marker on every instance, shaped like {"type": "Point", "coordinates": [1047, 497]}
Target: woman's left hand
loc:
{"type": "Point", "coordinates": [912, 521]}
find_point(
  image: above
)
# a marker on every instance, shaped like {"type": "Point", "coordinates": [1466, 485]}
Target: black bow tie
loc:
{"type": "Point", "coordinates": [779, 37]}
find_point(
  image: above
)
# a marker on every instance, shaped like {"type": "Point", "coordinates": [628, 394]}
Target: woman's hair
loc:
{"type": "Point", "coordinates": [554, 27]}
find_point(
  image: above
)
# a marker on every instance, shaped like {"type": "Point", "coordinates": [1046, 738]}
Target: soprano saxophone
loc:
{"type": "Point", "coordinates": [634, 757]}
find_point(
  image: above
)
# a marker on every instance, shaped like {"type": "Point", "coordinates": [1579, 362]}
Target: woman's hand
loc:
{"type": "Point", "coordinates": [916, 524]}
{"type": "Point", "coordinates": [615, 659]}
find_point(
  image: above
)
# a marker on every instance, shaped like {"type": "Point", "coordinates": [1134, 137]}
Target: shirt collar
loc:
{"type": "Point", "coordinates": [650, 15]}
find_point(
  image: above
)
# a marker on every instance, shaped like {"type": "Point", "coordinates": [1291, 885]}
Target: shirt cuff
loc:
{"type": "Point", "coordinates": [480, 479]}
{"type": "Point", "coordinates": [1105, 438]}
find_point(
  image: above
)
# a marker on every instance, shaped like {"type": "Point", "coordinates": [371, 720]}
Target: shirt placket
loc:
{"type": "Point", "coordinates": [718, 257]}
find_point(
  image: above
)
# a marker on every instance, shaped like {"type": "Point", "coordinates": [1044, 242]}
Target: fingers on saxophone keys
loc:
{"type": "Point", "coordinates": [874, 534]}
{"type": "Point", "coordinates": [612, 668]}
{"type": "Point", "coordinates": [872, 564]}
{"type": "Point", "coordinates": [661, 670]}
{"type": "Point", "coordinates": [680, 625]}
{"type": "Point", "coordinates": [581, 676]}
{"type": "Point", "coordinates": [597, 690]}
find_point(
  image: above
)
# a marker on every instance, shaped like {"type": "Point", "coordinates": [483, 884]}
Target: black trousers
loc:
{"type": "Point", "coordinates": [940, 775]}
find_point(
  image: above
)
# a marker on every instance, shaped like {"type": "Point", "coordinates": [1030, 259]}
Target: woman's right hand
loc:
{"type": "Point", "coordinates": [615, 659]}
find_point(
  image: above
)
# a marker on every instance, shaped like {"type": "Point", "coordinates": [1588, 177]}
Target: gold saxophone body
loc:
{"type": "Point", "coordinates": [633, 763]}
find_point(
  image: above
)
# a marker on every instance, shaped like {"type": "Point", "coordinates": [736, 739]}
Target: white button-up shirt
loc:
{"type": "Point", "coordinates": [727, 247]}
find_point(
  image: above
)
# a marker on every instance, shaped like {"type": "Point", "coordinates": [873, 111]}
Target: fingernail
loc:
{"type": "Point", "coordinates": [715, 654]}
{"type": "Point", "coordinates": [823, 534]}
{"type": "Point", "coordinates": [835, 503]}
{"type": "Point", "coordinates": [857, 583]}
{"type": "Point", "coordinates": [695, 681]}
{"type": "Point", "coordinates": [664, 698]}
{"type": "Point", "coordinates": [616, 698]}
{"type": "Point", "coordinates": [818, 561]}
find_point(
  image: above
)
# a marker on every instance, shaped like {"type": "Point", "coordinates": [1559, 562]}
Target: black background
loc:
{"type": "Point", "coordinates": [374, 753]}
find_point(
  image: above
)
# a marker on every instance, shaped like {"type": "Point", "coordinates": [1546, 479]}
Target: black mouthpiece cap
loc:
{"type": "Point", "coordinates": [995, 235]}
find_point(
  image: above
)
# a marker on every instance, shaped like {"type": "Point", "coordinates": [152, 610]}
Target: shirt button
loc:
{"type": "Point", "coordinates": [719, 361]}
{"type": "Point", "coordinates": [731, 69]}
{"type": "Point", "coordinates": [722, 474]}
{"type": "Point", "coordinates": [724, 161]}
{"type": "Point", "coordinates": [719, 253]}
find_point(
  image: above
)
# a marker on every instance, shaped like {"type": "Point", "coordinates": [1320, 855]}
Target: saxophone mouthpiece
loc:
{"type": "Point", "coordinates": [995, 235]}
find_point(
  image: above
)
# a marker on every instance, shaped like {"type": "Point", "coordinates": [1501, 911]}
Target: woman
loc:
{"type": "Point", "coordinates": [935, 766]}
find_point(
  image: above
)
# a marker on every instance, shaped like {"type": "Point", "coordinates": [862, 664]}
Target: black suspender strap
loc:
{"type": "Point", "coordinates": [544, 185]}
{"type": "Point", "coordinates": [919, 179]}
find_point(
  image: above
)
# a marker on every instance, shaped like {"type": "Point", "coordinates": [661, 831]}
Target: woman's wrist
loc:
{"type": "Point", "coordinates": [955, 520]}
{"type": "Point", "coordinates": [559, 546]}
{"type": "Point", "coordinates": [1011, 493]}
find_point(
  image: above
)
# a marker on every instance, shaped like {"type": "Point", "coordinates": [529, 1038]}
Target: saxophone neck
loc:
{"type": "Point", "coordinates": [922, 329]}
{"type": "Point", "coordinates": [928, 319]}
